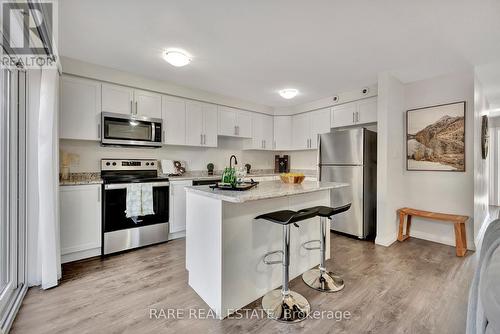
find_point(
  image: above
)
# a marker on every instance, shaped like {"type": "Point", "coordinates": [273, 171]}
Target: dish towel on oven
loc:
{"type": "Point", "coordinates": [139, 201]}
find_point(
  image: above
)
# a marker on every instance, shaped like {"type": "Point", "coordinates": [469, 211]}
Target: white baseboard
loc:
{"type": "Point", "coordinates": [176, 235]}
{"type": "Point", "coordinates": [385, 240]}
{"type": "Point", "coordinates": [85, 254]}
{"type": "Point", "coordinates": [446, 240]}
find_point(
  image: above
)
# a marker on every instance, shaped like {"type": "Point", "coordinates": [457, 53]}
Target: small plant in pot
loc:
{"type": "Point", "coordinates": [210, 169]}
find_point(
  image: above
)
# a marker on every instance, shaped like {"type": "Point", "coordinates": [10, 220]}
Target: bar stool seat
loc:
{"type": "Point", "coordinates": [319, 278]}
{"type": "Point", "coordinates": [285, 305]}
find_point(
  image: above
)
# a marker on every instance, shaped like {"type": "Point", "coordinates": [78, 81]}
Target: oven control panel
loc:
{"type": "Point", "coordinates": [118, 164]}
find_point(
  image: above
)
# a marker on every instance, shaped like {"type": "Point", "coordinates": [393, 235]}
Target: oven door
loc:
{"type": "Point", "coordinates": [122, 233]}
{"type": "Point", "coordinates": [128, 130]}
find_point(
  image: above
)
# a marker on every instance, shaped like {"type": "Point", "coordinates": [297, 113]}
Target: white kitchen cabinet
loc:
{"type": "Point", "coordinates": [147, 104]}
{"type": "Point", "coordinates": [234, 122]}
{"type": "Point", "coordinates": [201, 124]}
{"type": "Point", "coordinates": [174, 120]}
{"type": "Point", "coordinates": [367, 111]}
{"type": "Point", "coordinates": [117, 99]}
{"type": "Point", "coordinates": [320, 123]}
{"type": "Point", "coordinates": [262, 133]}
{"type": "Point", "coordinates": [80, 116]}
{"type": "Point", "coordinates": [177, 220]}
{"type": "Point", "coordinates": [125, 100]}
{"type": "Point", "coordinates": [282, 132]}
{"type": "Point", "coordinates": [80, 221]}
{"type": "Point", "coordinates": [354, 113]}
{"type": "Point", "coordinates": [307, 126]}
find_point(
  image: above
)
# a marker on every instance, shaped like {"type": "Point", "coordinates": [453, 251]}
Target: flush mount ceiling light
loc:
{"type": "Point", "coordinates": [288, 93]}
{"type": "Point", "coordinates": [176, 58]}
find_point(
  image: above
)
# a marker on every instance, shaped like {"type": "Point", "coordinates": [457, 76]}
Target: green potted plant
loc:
{"type": "Point", "coordinates": [210, 169]}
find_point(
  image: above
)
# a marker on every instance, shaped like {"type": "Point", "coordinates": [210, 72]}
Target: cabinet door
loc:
{"type": "Point", "coordinates": [147, 104]}
{"type": "Point", "coordinates": [282, 132]}
{"type": "Point", "coordinates": [320, 123]}
{"type": "Point", "coordinates": [194, 124]}
{"type": "Point", "coordinates": [209, 125]}
{"type": "Point", "coordinates": [178, 205]}
{"type": "Point", "coordinates": [267, 132]}
{"type": "Point", "coordinates": [301, 130]}
{"type": "Point", "coordinates": [174, 120]}
{"type": "Point", "coordinates": [257, 141]}
{"type": "Point", "coordinates": [367, 111]}
{"type": "Point", "coordinates": [80, 218]}
{"type": "Point", "coordinates": [80, 109]}
{"type": "Point", "coordinates": [117, 99]}
{"type": "Point", "coordinates": [244, 124]}
{"type": "Point", "coordinates": [344, 115]}
{"type": "Point", "coordinates": [227, 121]}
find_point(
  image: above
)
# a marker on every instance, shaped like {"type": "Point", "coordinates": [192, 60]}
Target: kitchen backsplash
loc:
{"type": "Point", "coordinates": [85, 156]}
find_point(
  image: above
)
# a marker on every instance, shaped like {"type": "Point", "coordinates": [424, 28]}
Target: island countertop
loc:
{"type": "Point", "coordinates": [266, 189]}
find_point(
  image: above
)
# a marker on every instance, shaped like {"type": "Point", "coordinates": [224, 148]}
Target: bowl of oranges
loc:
{"type": "Point", "coordinates": [292, 178]}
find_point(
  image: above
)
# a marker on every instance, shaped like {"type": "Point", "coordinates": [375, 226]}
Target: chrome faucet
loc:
{"type": "Point", "coordinates": [231, 161]}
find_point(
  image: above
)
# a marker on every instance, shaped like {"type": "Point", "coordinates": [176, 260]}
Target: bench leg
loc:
{"type": "Point", "coordinates": [401, 236]}
{"type": "Point", "coordinates": [460, 239]}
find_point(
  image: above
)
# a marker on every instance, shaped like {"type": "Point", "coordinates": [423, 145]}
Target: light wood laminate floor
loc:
{"type": "Point", "coordinates": [411, 287]}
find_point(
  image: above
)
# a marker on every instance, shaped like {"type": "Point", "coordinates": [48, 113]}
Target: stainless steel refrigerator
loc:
{"type": "Point", "coordinates": [350, 156]}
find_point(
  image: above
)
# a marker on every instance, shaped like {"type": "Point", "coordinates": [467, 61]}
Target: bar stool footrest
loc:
{"type": "Point", "coordinates": [268, 262]}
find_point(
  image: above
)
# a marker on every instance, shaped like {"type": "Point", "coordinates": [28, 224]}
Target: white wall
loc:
{"type": "Point", "coordinates": [89, 154]}
{"type": "Point", "coordinates": [448, 192]}
{"type": "Point", "coordinates": [481, 167]}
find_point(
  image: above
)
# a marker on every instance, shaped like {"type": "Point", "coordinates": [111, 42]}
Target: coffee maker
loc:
{"type": "Point", "coordinates": [281, 164]}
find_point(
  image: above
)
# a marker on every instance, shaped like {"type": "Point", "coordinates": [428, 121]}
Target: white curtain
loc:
{"type": "Point", "coordinates": [44, 267]}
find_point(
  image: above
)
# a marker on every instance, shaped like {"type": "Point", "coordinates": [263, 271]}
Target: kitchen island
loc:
{"type": "Point", "coordinates": [225, 244]}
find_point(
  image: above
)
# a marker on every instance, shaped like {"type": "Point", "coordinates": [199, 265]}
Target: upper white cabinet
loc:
{"type": "Point", "coordinates": [234, 122]}
{"type": "Point", "coordinates": [282, 132]}
{"type": "Point", "coordinates": [125, 100]}
{"type": "Point", "coordinates": [117, 99]}
{"type": "Point", "coordinates": [147, 104]}
{"type": "Point", "coordinates": [307, 126]}
{"type": "Point", "coordinates": [80, 221]}
{"type": "Point", "coordinates": [354, 113]}
{"type": "Point", "coordinates": [174, 120]}
{"type": "Point", "coordinates": [201, 124]}
{"type": "Point", "coordinates": [262, 132]}
{"type": "Point", "coordinates": [80, 108]}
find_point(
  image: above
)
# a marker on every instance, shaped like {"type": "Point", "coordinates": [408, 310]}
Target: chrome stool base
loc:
{"type": "Point", "coordinates": [326, 282]}
{"type": "Point", "coordinates": [290, 308]}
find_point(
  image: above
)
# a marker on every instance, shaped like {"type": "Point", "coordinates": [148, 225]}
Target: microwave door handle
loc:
{"type": "Point", "coordinates": [153, 132]}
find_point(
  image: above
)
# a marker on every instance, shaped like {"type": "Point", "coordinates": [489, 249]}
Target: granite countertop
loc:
{"type": "Point", "coordinates": [81, 179]}
{"type": "Point", "coordinates": [267, 189]}
{"type": "Point", "coordinates": [95, 177]}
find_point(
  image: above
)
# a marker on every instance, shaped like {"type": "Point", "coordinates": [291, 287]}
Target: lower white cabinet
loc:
{"type": "Point", "coordinates": [80, 221]}
{"type": "Point", "coordinates": [177, 207]}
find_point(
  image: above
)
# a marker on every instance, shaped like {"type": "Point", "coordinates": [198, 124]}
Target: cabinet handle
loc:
{"type": "Point", "coordinates": [136, 107]}
{"type": "Point", "coordinates": [264, 144]}
{"type": "Point", "coordinates": [235, 130]}
{"type": "Point", "coordinates": [204, 139]}
{"type": "Point", "coordinates": [163, 139]}
{"type": "Point", "coordinates": [353, 117]}
{"type": "Point", "coordinates": [98, 131]}
{"type": "Point", "coordinates": [131, 108]}
{"type": "Point", "coordinates": [201, 139]}
{"type": "Point", "coordinates": [357, 116]}
{"type": "Point", "coordinates": [238, 130]}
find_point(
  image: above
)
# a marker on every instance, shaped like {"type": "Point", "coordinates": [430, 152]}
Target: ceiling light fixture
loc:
{"type": "Point", "coordinates": [288, 93]}
{"type": "Point", "coordinates": [176, 58]}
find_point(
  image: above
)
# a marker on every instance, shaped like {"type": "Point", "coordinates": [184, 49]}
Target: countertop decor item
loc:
{"type": "Point", "coordinates": [295, 178]}
{"type": "Point", "coordinates": [435, 138]}
{"type": "Point", "coordinates": [484, 137]}
{"type": "Point", "coordinates": [248, 167]}
{"type": "Point", "coordinates": [210, 169]}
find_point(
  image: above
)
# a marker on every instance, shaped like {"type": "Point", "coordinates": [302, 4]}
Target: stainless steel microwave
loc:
{"type": "Point", "coordinates": [130, 130]}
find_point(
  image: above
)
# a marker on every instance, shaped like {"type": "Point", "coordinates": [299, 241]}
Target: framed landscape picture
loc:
{"type": "Point", "coordinates": [435, 138]}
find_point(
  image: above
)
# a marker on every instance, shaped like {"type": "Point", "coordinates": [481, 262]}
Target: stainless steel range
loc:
{"type": "Point", "coordinates": [120, 233]}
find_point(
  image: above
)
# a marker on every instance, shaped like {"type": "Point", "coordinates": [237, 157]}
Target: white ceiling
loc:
{"type": "Point", "coordinates": [251, 49]}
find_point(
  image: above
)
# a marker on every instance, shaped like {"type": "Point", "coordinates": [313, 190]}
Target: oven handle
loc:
{"type": "Point", "coordinates": [124, 185]}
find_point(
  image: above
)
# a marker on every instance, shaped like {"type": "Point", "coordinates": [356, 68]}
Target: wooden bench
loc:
{"type": "Point", "coordinates": [457, 220]}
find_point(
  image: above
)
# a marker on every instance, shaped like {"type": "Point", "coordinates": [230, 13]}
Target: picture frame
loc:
{"type": "Point", "coordinates": [435, 138]}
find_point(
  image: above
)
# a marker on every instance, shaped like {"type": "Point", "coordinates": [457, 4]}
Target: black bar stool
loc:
{"type": "Point", "coordinates": [319, 278]}
{"type": "Point", "coordinates": [285, 305]}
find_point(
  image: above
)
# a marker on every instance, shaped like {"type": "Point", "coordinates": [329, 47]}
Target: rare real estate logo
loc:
{"type": "Point", "coordinates": [27, 29]}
